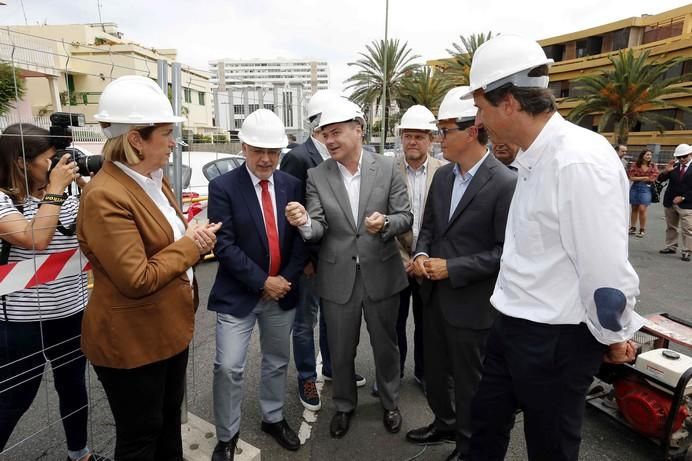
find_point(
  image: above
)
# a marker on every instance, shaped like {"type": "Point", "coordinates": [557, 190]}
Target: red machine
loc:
{"type": "Point", "coordinates": [653, 395]}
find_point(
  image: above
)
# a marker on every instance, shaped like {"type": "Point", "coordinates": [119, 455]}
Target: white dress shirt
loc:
{"type": "Point", "coordinates": [352, 185]}
{"type": "Point", "coordinates": [417, 180]}
{"type": "Point", "coordinates": [258, 191]}
{"type": "Point", "coordinates": [567, 233]}
{"type": "Point", "coordinates": [152, 186]}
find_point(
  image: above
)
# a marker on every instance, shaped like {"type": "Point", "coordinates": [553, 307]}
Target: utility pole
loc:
{"type": "Point", "coordinates": [383, 133]}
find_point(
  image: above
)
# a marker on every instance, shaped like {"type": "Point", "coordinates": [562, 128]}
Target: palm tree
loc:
{"type": "Point", "coordinates": [368, 82]}
{"type": "Point", "coordinates": [626, 93]}
{"type": "Point", "coordinates": [425, 87]}
{"type": "Point", "coordinates": [9, 77]}
{"type": "Point", "coordinates": [458, 67]}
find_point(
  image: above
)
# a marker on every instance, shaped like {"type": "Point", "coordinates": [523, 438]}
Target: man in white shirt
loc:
{"type": "Point", "coordinates": [418, 166]}
{"type": "Point", "coordinates": [566, 290]}
{"type": "Point", "coordinates": [357, 204]}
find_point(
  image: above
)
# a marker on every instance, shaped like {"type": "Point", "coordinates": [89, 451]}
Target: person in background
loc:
{"type": "Point", "coordinates": [506, 153]}
{"type": "Point", "coordinates": [139, 321]}
{"type": "Point", "coordinates": [643, 173]}
{"type": "Point", "coordinates": [292, 141]}
{"type": "Point", "coordinates": [621, 150]}
{"type": "Point", "coordinates": [42, 323]}
{"type": "Point", "coordinates": [418, 167]}
{"type": "Point", "coordinates": [677, 201]}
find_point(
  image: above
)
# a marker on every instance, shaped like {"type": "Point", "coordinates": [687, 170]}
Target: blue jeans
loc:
{"type": "Point", "coordinates": [303, 332]}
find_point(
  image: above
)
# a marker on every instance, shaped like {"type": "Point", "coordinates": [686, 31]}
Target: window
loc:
{"type": "Point", "coordinates": [238, 109]}
{"type": "Point", "coordinates": [187, 95]}
{"type": "Point", "coordinates": [269, 107]}
{"type": "Point", "coordinates": [253, 107]}
{"type": "Point", "coordinates": [288, 108]}
{"type": "Point", "coordinates": [200, 96]}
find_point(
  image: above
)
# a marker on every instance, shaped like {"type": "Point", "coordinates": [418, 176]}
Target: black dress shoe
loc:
{"type": "Point", "coordinates": [225, 451]}
{"type": "Point", "coordinates": [668, 251]}
{"type": "Point", "coordinates": [685, 256]}
{"type": "Point", "coordinates": [430, 435]}
{"type": "Point", "coordinates": [392, 420]}
{"type": "Point", "coordinates": [339, 424]}
{"type": "Point", "coordinates": [283, 434]}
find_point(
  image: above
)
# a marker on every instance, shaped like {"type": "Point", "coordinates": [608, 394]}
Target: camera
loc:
{"type": "Point", "coordinates": [61, 124]}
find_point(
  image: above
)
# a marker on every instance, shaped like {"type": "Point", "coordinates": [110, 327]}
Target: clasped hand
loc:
{"type": "Point", "coordinates": [430, 268]}
{"type": "Point", "coordinates": [275, 288]}
{"type": "Point", "coordinates": [203, 234]}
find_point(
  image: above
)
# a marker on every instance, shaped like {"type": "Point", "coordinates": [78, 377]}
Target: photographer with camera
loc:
{"type": "Point", "coordinates": [42, 323]}
{"type": "Point", "coordinates": [140, 318]}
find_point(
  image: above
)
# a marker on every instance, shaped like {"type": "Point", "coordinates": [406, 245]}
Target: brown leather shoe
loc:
{"type": "Point", "coordinates": [392, 420]}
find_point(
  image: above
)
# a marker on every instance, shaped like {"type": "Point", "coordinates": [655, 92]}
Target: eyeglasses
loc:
{"type": "Point", "coordinates": [444, 131]}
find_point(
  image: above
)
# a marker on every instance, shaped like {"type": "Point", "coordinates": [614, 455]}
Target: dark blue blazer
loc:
{"type": "Point", "coordinates": [241, 246]}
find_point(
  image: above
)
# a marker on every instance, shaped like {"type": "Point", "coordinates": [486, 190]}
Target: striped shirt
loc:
{"type": "Point", "coordinates": [53, 300]}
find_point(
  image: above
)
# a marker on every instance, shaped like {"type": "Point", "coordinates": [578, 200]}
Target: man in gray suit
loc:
{"type": "Point", "coordinates": [458, 255]}
{"type": "Point", "coordinates": [357, 203]}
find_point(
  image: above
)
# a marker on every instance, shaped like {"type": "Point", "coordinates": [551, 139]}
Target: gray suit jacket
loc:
{"type": "Point", "coordinates": [471, 241]}
{"type": "Point", "coordinates": [343, 242]}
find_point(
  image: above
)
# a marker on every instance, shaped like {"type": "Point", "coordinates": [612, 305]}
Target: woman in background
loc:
{"type": "Point", "coordinates": [642, 174]}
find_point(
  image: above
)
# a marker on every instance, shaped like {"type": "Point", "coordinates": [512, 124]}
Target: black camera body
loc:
{"type": "Point", "coordinates": [61, 124]}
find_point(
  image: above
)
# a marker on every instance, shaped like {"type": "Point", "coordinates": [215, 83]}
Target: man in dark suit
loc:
{"type": "Point", "coordinates": [297, 162]}
{"type": "Point", "coordinates": [458, 256]}
{"type": "Point", "coordinates": [260, 259]}
{"type": "Point", "coordinates": [357, 204]}
{"type": "Point", "coordinates": [677, 201]}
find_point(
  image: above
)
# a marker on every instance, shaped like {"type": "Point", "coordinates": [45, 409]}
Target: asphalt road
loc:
{"type": "Point", "coordinates": [665, 287]}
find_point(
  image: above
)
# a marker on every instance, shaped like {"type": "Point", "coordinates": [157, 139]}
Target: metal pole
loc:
{"type": "Point", "coordinates": [177, 87]}
{"type": "Point", "coordinates": [383, 133]}
{"type": "Point", "coordinates": [162, 80]}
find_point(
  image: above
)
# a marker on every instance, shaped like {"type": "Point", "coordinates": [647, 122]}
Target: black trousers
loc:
{"type": "Point", "coordinates": [546, 371]}
{"type": "Point", "coordinates": [145, 403]}
{"type": "Point", "coordinates": [22, 361]}
{"type": "Point", "coordinates": [453, 361]}
{"type": "Point", "coordinates": [412, 291]}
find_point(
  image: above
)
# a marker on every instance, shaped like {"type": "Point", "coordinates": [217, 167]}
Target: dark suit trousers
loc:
{"type": "Point", "coordinates": [456, 352]}
{"type": "Point", "coordinates": [145, 402]}
{"type": "Point", "coordinates": [408, 294]}
{"type": "Point", "coordinates": [343, 324]}
{"type": "Point", "coordinates": [543, 369]}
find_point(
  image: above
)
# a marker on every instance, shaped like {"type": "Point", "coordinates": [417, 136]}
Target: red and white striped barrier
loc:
{"type": "Point", "coordinates": [42, 269]}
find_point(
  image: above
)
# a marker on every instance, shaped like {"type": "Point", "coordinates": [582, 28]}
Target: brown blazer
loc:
{"type": "Point", "coordinates": [405, 241]}
{"type": "Point", "coordinates": [141, 309]}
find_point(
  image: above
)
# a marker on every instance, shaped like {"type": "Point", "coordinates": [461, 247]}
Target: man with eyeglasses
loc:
{"type": "Point", "coordinates": [458, 257]}
{"type": "Point", "coordinates": [677, 201]}
{"type": "Point", "coordinates": [261, 258]}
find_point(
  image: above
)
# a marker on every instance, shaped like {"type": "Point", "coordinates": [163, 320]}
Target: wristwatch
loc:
{"type": "Point", "coordinates": [385, 226]}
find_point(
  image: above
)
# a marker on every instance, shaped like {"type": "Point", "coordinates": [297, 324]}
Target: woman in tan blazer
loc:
{"type": "Point", "coordinates": [139, 320]}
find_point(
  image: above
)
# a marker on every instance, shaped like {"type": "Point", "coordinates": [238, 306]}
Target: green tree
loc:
{"type": "Point", "coordinates": [456, 72]}
{"type": "Point", "coordinates": [626, 93]}
{"type": "Point", "coordinates": [368, 82]}
{"type": "Point", "coordinates": [425, 87]}
{"type": "Point", "coordinates": [8, 92]}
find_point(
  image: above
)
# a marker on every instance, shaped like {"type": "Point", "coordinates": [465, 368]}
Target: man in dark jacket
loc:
{"type": "Point", "coordinates": [677, 201]}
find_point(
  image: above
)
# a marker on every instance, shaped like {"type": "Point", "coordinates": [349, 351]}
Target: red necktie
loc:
{"type": "Point", "coordinates": [682, 170]}
{"type": "Point", "coordinates": [270, 226]}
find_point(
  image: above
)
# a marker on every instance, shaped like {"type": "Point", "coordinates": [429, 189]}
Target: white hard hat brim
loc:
{"type": "Point", "coordinates": [134, 121]}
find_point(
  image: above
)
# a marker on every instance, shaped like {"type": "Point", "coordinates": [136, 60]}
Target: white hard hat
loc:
{"type": "Point", "coordinates": [133, 100]}
{"type": "Point", "coordinates": [507, 59]}
{"type": "Point", "coordinates": [264, 129]}
{"type": "Point", "coordinates": [318, 101]}
{"type": "Point", "coordinates": [417, 118]}
{"type": "Point", "coordinates": [453, 107]}
{"type": "Point", "coordinates": [340, 110]}
{"type": "Point", "coordinates": [682, 150]}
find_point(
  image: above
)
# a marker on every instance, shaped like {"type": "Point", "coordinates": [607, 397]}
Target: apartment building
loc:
{"type": "Point", "coordinates": [664, 35]}
{"type": "Point", "coordinates": [312, 75]}
{"type": "Point", "coordinates": [66, 67]}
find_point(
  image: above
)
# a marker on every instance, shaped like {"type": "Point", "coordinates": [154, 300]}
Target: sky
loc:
{"type": "Point", "coordinates": [336, 31]}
